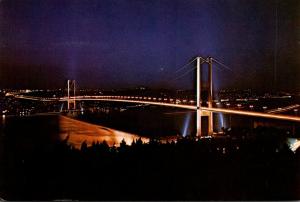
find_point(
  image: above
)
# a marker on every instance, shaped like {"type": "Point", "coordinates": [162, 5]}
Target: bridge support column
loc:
{"type": "Point", "coordinates": [68, 94]}
{"type": "Point", "coordinates": [198, 97]}
{"type": "Point", "coordinates": [210, 97]}
{"type": "Point", "coordinates": [71, 101]}
{"type": "Point", "coordinates": [199, 61]}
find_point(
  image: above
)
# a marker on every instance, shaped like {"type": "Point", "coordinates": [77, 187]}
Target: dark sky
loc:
{"type": "Point", "coordinates": [125, 43]}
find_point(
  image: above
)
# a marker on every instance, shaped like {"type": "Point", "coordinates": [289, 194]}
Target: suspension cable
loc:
{"type": "Point", "coordinates": [220, 63]}
{"type": "Point", "coordinates": [184, 74]}
{"type": "Point", "coordinates": [184, 66]}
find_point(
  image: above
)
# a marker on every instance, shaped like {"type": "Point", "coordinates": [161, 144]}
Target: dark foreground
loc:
{"type": "Point", "coordinates": [257, 168]}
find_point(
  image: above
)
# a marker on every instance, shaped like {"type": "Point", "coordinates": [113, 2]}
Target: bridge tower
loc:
{"type": "Point", "coordinates": [71, 90]}
{"type": "Point", "coordinates": [210, 96]}
{"type": "Point", "coordinates": [200, 113]}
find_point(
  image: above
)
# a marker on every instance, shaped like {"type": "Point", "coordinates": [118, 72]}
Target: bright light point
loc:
{"type": "Point", "coordinates": [206, 137]}
{"type": "Point", "coordinates": [293, 144]}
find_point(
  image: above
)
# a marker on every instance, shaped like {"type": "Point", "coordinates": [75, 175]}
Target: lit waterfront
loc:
{"type": "Point", "coordinates": [78, 132]}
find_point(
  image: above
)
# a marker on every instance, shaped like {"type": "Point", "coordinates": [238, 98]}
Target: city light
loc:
{"type": "Point", "coordinates": [293, 143]}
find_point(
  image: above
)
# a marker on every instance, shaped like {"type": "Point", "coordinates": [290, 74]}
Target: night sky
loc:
{"type": "Point", "coordinates": [128, 43]}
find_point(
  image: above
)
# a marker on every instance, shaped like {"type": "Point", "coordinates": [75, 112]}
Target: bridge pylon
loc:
{"type": "Point", "coordinates": [71, 99]}
{"type": "Point", "coordinates": [210, 97]}
{"type": "Point", "coordinates": [200, 113]}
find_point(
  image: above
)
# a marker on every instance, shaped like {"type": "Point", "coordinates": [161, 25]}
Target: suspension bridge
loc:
{"type": "Point", "coordinates": [201, 106]}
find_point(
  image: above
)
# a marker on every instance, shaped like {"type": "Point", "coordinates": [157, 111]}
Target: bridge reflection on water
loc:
{"type": "Point", "coordinates": [78, 131]}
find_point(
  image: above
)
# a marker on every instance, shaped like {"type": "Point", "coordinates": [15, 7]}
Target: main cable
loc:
{"type": "Point", "coordinates": [220, 63]}
{"type": "Point", "coordinates": [182, 75]}
{"type": "Point", "coordinates": [186, 65]}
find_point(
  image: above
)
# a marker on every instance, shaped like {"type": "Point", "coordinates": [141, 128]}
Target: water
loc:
{"type": "Point", "coordinates": [77, 132]}
{"type": "Point", "coordinates": [114, 122]}
{"type": "Point", "coordinates": [149, 121]}
{"type": "Point", "coordinates": [26, 134]}
{"type": "Point", "coordinates": [29, 132]}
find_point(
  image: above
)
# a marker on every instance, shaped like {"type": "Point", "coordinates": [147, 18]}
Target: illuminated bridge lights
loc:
{"type": "Point", "coordinates": [283, 109]}
{"type": "Point", "coordinates": [224, 100]}
{"type": "Point", "coordinates": [176, 105]}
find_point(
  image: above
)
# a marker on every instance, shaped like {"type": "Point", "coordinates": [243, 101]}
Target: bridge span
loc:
{"type": "Point", "coordinates": [191, 107]}
{"type": "Point", "coordinates": [152, 101]}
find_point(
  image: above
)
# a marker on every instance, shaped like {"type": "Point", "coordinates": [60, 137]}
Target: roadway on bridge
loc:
{"type": "Point", "coordinates": [167, 104]}
{"type": "Point", "coordinates": [213, 109]}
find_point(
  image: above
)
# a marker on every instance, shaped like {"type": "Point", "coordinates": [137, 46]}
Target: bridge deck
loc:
{"type": "Point", "coordinates": [216, 110]}
{"type": "Point", "coordinates": [183, 106]}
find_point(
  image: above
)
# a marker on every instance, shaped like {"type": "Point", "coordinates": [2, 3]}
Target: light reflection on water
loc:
{"type": "Point", "coordinates": [186, 124]}
{"type": "Point", "coordinates": [79, 131]}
